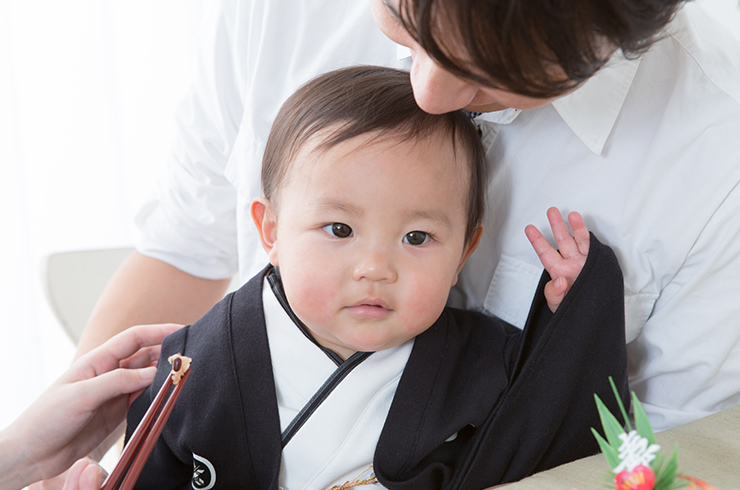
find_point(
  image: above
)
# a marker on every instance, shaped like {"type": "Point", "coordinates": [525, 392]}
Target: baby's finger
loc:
{"type": "Point", "coordinates": [580, 232]}
{"type": "Point", "coordinates": [547, 254]}
{"type": "Point", "coordinates": [555, 292]}
{"type": "Point", "coordinates": [566, 245]}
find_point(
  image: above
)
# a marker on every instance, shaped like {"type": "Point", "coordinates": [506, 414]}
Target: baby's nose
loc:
{"type": "Point", "coordinates": [375, 266]}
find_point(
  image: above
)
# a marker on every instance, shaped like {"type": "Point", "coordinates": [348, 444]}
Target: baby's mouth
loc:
{"type": "Point", "coordinates": [370, 308]}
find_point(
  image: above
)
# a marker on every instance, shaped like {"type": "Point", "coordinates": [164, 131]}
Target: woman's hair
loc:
{"type": "Point", "coordinates": [537, 48]}
{"type": "Point", "coordinates": [350, 102]}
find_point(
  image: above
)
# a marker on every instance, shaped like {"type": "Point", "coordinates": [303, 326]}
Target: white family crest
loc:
{"type": "Point", "coordinates": [635, 451]}
{"type": "Point", "coordinates": [204, 474]}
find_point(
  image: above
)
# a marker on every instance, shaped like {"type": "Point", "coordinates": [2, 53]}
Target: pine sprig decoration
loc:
{"type": "Point", "coordinates": [661, 474]}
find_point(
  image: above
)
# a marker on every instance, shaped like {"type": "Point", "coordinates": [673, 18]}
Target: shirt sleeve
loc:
{"type": "Point", "coordinates": [189, 222]}
{"type": "Point", "coordinates": [689, 349]}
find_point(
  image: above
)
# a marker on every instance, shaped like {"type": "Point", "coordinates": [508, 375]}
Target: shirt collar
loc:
{"type": "Point", "coordinates": [592, 110]}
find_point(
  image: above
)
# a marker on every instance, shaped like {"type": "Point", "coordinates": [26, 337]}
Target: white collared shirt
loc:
{"type": "Point", "coordinates": [648, 151]}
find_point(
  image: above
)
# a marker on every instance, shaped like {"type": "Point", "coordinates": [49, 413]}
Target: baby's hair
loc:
{"type": "Point", "coordinates": [354, 101]}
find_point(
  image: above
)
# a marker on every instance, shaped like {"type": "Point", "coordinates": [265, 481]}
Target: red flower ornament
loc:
{"type": "Point", "coordinates": [640, 478]}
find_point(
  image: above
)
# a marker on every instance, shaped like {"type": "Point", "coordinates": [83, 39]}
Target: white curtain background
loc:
{"type": "Point", "coordinates": [88, 89]}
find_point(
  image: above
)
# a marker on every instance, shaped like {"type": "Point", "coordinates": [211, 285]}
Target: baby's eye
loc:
{"type": "Point", "coordinates": [416, 238]}
{"type": "Point", "coordinates": [339, 230]}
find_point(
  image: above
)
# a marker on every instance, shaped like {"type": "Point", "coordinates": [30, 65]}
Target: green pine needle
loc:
{"type": "Point", "coordinates": [610, 453]}
{"type": "Point", "coordinates": [641, 421]}
{"type": "Point", "coordinates": [621, 405]}
{"type": "Point", "coordinates": [612, 428]}
{"type": "Point", "coordinates": [665, 475]}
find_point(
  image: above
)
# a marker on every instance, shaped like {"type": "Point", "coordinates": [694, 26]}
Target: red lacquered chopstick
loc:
{"type": "Point", "coordinates": [142, 441]}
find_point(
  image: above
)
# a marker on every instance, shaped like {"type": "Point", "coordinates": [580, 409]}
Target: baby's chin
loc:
{"type": "Point", "coordinates": [372, 344]}
{"type": "Point", "coordinates": [366, 336]}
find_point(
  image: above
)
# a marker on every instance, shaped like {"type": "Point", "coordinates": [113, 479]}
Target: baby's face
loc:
{"type": "Point", "coordinates": [370, 238]}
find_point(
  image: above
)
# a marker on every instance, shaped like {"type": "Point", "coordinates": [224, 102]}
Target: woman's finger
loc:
{"type": "Point", "coordinates": [98, 390]}
{"type": "Point", "coordinates": [85, 474]}
{"type": "Point", "coordinates": [72, 482]}
{"type": "Point", "coordinates": [92, 477]}
{"type": "Point", "coordinates": [122, 346]}
{"type": "Point", "coordinates": [143, 357]}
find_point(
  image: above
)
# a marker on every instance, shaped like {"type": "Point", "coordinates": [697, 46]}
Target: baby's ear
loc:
{"type": "Point", "coordinates": [469, 249]}
{"type": "Point", "coordinates": [264, 219]}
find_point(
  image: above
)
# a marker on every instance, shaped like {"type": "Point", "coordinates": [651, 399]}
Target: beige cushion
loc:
{"type": "Point", "coordinates": [708, 449]}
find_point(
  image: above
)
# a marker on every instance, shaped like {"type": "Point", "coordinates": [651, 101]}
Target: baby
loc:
{"type": "Point", "coordinates": [340, 364]}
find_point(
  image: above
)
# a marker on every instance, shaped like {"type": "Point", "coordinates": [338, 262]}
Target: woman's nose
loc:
{"type": "Point", "coordinates": [436, 90]}
{"type": "Point", "coordinates": [375, 266]}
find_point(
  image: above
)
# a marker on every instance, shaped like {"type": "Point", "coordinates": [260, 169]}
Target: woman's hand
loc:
{"type": "Point", "coordinates": [76, 413]}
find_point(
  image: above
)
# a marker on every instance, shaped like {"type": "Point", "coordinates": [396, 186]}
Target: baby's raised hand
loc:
{"type": "Point", "coordinates": [563, 264]}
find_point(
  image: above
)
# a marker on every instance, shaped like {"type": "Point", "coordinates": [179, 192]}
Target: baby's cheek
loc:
{"type": "Point", "coordinates": [310, 298]}
{"type": "Point", "coordinates": [424, 305]}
